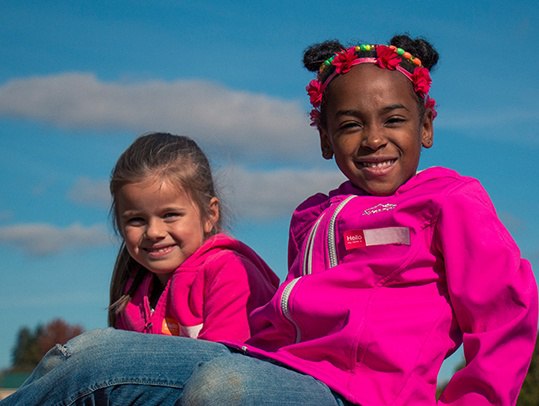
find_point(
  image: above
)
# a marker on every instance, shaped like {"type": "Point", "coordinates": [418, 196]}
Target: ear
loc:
{"type": "Point", "coordinates": [213, 214]}
{"type": "Point", "coordinates": [325, 143]}
{"type": "Point", "coordinates": [427, 129]}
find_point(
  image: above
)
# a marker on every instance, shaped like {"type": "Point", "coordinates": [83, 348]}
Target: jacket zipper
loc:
{"type": "Point", "coordinates": [307, 270]}
{"type": "Point", "coordinates": [284, 306]}
{"type": "Point", "coordinates": [308, 261]}
{"type": "Point", "coordinates": [332, 246]}
{"type": "Point", "coordinates": [308, 257]}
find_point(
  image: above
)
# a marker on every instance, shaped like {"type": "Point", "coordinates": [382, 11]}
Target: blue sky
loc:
{"type": "Point", "coordinates": [79, 80]}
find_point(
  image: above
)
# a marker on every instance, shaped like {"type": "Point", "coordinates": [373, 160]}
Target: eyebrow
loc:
{"type": "Point", "coordinates": [129, 213]}
{"type": "Point", "coordinates": [384, 110]}
{"type": "Point", "coordinates": [396, 106]}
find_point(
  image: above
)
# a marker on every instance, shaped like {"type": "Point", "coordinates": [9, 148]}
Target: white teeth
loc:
{"type": "Point", "coordinates": [377, 164]}
{"type": "Point", "coordinates": [159, 249]}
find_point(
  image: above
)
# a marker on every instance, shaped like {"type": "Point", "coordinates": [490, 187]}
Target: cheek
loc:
{"type": "Point", "coordinates": [344, 146]}
{"type": "Point", "coordinates": [131, 236]}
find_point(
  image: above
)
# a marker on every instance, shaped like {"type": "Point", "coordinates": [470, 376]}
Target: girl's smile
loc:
{"type": "Point", "coordinates": [158, 252]}
{"type": "Point", "coordinates": [377, 167]}
{"type": "Point", "coordinates": [374, 128]}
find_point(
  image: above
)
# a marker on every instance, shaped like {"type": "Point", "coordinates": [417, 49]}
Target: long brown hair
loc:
{"type": "Point", "coordinates": [174, 158]}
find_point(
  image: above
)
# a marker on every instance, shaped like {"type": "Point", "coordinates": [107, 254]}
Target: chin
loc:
{"type": "Point", "coordinates": [380, 191]}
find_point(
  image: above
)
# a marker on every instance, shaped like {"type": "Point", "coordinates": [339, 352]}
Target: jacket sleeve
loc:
{"type": "Point", "coordinates": [494, 297]}
{"type": "Point", "coordinates": [234, 286]}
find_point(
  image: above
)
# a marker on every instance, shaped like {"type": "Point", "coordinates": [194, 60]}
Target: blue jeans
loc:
{"type": "Point", "coordinates": [114, 367]}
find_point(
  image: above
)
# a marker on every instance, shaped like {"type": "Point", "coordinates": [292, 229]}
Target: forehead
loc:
{"type": "Point", "coordinates": [153, 191]}
{"type": "Point", "coordinates": [368, 83]}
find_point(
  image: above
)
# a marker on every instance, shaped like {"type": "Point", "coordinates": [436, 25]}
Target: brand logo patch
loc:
{"type": "Point", "coordinates": [379, 208]}
{"type": "Point", "coordinates": [354, 239]}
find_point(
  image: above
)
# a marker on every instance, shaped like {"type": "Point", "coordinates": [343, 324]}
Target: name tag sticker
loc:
{"type": "Point", "coordinates": [376, 236]}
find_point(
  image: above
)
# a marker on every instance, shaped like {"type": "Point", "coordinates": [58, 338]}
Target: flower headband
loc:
{"type": "Point", "coordinates": [386, 57]}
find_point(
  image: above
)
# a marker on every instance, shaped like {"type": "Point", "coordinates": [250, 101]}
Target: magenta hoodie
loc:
{"type": "Point", "coordinates": [209, 296]}
{"type": "Point", "coordinates": [381, 289]}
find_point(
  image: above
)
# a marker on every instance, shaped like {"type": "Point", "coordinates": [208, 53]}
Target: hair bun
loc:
{"type": "Point", "coordinates": [418, 47]}
{"type": "Point", "coordinates": [316, 54]}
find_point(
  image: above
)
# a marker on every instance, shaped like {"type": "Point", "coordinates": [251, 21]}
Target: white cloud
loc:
{"type": "Point", "coordinates": [270, 194]}
{"type": "Point", "coordinates": [89, 192]}
{"type": "Point", "coordinates": [45, 239]}
{"type": "Point", "coordinates": [242, 123]}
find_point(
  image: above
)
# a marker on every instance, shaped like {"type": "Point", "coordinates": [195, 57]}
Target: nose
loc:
{"type": "Point", "coordinates": [373, 138]}
{"type": "Point", "coordinates": [155, 230]}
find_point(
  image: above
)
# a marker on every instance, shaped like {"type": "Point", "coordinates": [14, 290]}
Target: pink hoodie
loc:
{"type": "Point", "coordinates": [209, 296]}
{"type": "Point", "coordinates": [382, 289]}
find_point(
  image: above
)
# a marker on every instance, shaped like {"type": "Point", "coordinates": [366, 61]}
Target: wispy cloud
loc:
{"type": "Point", "coordinates": [39, 239]}
{"type": "Point", "coordinates": [247, 124]}
{"type": "Point", "coordinates": [251, 194]}
{"type": "Point", "coordinates": [270, 194]}
{"type": "Point", "coordinates": [90, 192]}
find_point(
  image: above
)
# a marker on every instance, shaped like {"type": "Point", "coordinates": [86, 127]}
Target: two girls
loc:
{"type": "Point", "coordinates": [389, 274]}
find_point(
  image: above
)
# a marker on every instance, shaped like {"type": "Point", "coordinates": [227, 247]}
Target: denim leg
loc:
{"type": "Point", "coordinates": [115, 367]}
{"type": "Point", "coordinates": [242, 380]}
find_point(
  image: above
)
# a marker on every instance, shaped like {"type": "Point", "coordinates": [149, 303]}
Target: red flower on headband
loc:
{"type": "Point", "coordinates": [315, 117]}
{"type": "Point", "coordinates": [315, 92]}
{"type": "Point", "coordinates": [421, 79]}
{"type": "Point", "coordinates": [430, 103]}
{"type": "Point", "coordinates": [343, 60]}
{"type": "Point", "coordinates": [387, 58]}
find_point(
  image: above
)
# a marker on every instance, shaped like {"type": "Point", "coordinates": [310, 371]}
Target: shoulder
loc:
{"type": "Point", "coordinates": [457, 196]}
{"type": "Point", "coordinates": [445, 182]}
{"type": "Point", "coordinates": [222, 252]}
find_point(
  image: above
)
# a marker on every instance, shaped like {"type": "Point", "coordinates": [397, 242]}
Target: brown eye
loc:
{"type": "Point", "coordinates": [172, 216]}
{"type": "Point", "coordinates": [135, 221]}
{"type": "Point", "coordinates": [393, 121]}
{"type": "Point", "coordinates": [348, 125]}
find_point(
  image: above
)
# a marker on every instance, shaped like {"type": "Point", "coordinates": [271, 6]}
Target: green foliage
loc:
{"type": "Point", "coordinates": [26, 353]}
{"type": "Point", "coordinates": [529, 395]}
{"type": "Point", "coordinates": [31, 346]}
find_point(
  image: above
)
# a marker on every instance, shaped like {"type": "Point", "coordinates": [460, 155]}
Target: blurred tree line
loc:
{"type": "Point", "coordinates": [529, 395]}
{"type": "Point", "coordinates": [32, 345]}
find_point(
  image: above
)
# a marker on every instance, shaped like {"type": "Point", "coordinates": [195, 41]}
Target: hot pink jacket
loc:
{"type": "Point", "coordinates": [209, 296]}
{"type": "Point", "coordinates": [381, 289]}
